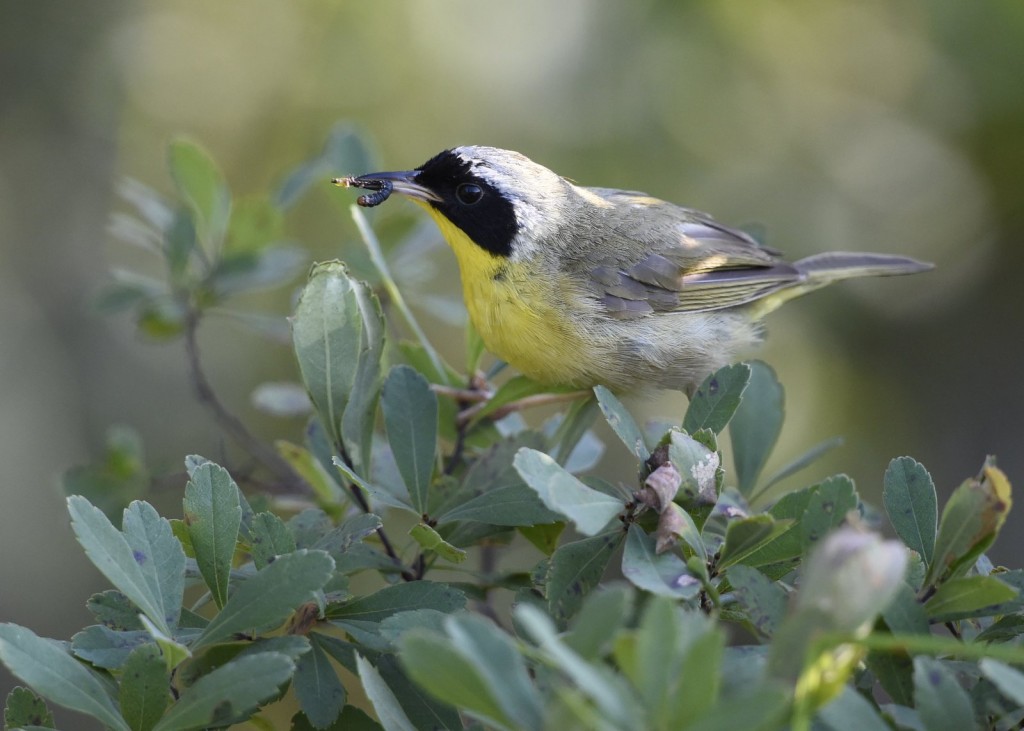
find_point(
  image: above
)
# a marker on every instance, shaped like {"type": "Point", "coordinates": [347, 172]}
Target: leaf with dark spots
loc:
{"type": "Point", "coordinates": [716, 400]}
{"type": "Point", "coordinates": [574, 570]}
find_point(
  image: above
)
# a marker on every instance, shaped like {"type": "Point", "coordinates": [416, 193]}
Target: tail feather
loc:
{"type": "Point", "coordinates": [835, 265]}
{"type": "Point", "coordinates": [823, 269]}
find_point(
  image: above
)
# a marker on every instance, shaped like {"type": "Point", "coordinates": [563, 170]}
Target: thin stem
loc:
{"type": "Point", "coordinates": [488, 565]}
{"type": "Point", "coordinates": [475, 391]}
{"type": "Point", "coordinates": [469, 395]}
{"type": "Point", "coordinates": [377, 257]}
{"type": "Point", "coordinates": [527, 402]}
{"type": "Point", "coordinates": [364, 505]}
{"type": "Point", "coordinates": [231, 424]}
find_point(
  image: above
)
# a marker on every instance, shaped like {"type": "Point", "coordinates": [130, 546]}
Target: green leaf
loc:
{"type": "Point", "coordinates": [664, 575]}
{"type": "Point", "coordinates": [174, 652]}
{"type": "Point", "coordinates": [25, 708]}
{"type": "Point", "coordinates": [180, 241]}
{"type": "Point", "coordinates": [543, 537]}
{"type": "Point", "coordinates": [447, 673]}
{"type": "Point", "coordinates": [827, 508]}
{"type": "Point", "coordinates": [338, 335]}
{"type": "Point", "coordinates": [760, 708]}
{"type": "Point", "coordinates": [107, 648]}
{"type": "Point", "coordinates": [351, 719]}
{"type": "Point", "coordinates": [850, 577]}
{"type": "Point", "coordinates": [252, 271]}
{"type": "Point", "coordinates": [339, 540]}
{"type": "Point", "coordinates": [943, 704]}
{"type": "Point", "coordinates": [697, 466]}
{"type": "Point", "coordinates": [270, 539]}
{"type": "Point", "coordinates": [967, 597]}
{"type": "Point", "coordinates": [326, 491]}
{"type": "Point", "coordinates": [677, 655]}
{"type": "Point", "coordinates": [493, 492]}
{"type": "Point", "coordinates": [410, 418]}
{"type": "Point", "coordinates": [232, 690]}
{"type": "Point", "coordinates": [255, 224]}
{"type": "Point", "coordinates": [574, 570]}
{"type": "Point", "coordinates": [110, 552]}
{"type": "Point", "coordinates": [113, 609]}
{"type": "Point", "coordinates": [145, 688]}
{"type": "Point", "coordinates": [851, 711]}
{"type": "Point", "coordinates": [912, 506]}
{"type": "Point", "coordinates": [119, 477]}
{"type": "Point", "coordinates": [497, 660]}
{"type": "Point", "coordinates": [430, 540]}
{"type": "Point", "coordinates": [436, 370]}
{"type": "Point", "coordinates": [309, 526]}
{"type": "Point", "coordinates": [796, 507]}
{"type": "Point", "coordinates": [744, 536]}
{"type": "Point", "coordinates": [1009, 681]}
{"type": "Point", "coordinates": [760, 598]}
{"type": "Point", "coordinates": [317, 686]}
{"type": "Point", "coordinates": [684, 527]}
{"type": "Point", "coordinates": [52, 673]}
{"type": "Point", "coordinates": [128, 290]}
{"type": "Point", "coordinates": [213, 516]}
{"type": "Point", "coordinates": [572, 427]}
{"type": "Point", "coordinates": [161, 319]}
{"type": "Point", "coordinates": [159, 555]}
{"type": "Point", "coordinates": [151, 207]}
{"type": "Point", "coordinates": [392, 628]}
{"type": "Point", "coordinates": [513, 505]}
{"type": "Point", "coordinates": [360, 414]}
{"type": "Point", "coordinates": [606, 689]}
{"type": "Point", "coordinates": [1015, 578]}
{"type": "Point", "coordinates": [420, 707]}
{"type": "Point", "coordinates": [344, 152]}
{"type": "Point", "coordinates": [904, 614]}
{"type": "Point", "coordinates": [400, 598]}
{"type": "Point", "coordinates": [970, 522]}
{"type": "Point", "coordinates": [588, 509]}
{"type": "Point", "coordinates": [700, 676]}
{"type": "Point", "coordinates": [270, 595]}
{"type": "Point", "coordinates": [202, 185]}
{"type": "Point", "coordinates": [622, 422]}
{"type": "Point", "coordinates": [603, 613]}
{"type": "Point", "coordinates": [376, 494]}
{"type": "Point", "coordinates": [717, 399]}
{"type": "Point", "coordinates": [895, 673]}
{"type": "Point", "coordinates": [756, 425]}
{"type": "Point", "coordinates": [657, 656]}
{"type": "Point", "coordinates": [804, 460]}
{"type": "Point", "coordinates": [388, 709]}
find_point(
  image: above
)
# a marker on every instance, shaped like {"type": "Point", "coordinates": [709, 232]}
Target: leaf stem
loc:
{"type": "Point", "coordinates": [377, 257]}
{"type": "Point", "coordinates": [228, 422]}
{"type": "Point", "coordinates": [364, 505]}
{"type": "Point", "coordinates": [527, 402]}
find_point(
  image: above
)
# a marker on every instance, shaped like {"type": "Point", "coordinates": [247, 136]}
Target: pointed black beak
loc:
{"type": "Point", "coordinates": [383, 184]}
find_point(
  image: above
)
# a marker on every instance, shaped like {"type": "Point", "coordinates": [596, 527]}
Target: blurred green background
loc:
{"type": "Point", "coordinates": [881, 125]}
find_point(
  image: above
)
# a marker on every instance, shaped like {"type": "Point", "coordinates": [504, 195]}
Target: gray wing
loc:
{"type": "Point", "coordinates": [680, 260]}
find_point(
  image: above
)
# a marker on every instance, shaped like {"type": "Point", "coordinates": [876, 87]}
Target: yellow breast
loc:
{"type": "Point", "coordinates": [522, 318]}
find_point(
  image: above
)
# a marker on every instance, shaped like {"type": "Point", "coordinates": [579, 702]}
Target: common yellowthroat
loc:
{"type": "Point", "coordinates": [580, 286]}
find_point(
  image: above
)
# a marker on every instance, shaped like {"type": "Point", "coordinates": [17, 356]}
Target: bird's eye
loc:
{"type": "Point", "coordinates": [469, 193]}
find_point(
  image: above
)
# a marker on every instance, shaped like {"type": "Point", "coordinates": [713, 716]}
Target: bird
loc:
{"type": "Point", "coordinates": [578, 286]}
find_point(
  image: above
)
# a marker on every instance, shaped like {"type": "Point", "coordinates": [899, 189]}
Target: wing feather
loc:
{"type": "Point", "coordinates": [679, 260]}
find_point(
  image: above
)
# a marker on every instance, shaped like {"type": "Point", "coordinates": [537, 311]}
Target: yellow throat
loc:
{"type": "Point", "coordinates": [516, 312]}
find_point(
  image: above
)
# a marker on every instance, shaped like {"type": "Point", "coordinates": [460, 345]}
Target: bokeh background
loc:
{"type": "Point", "coordinates": [880, 125]}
